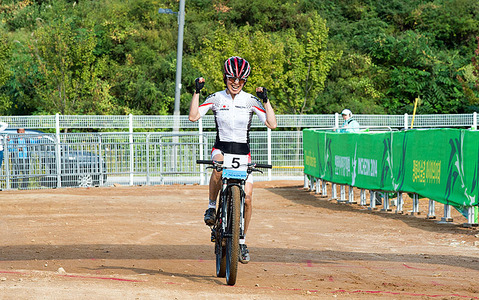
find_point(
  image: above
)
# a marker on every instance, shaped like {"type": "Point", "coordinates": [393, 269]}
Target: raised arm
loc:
{"type": "Point", "coordinates": [262, 93]}
{"type": "Point", "coordinates": [195, 100]}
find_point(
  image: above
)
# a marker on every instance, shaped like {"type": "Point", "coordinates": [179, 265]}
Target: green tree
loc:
{"type": "Point", "coordinates": [469, 78]}
{"type": "Point", "coordinates": [453, 23]}
{"type": "Point", "coordinates": [416, 68]}
{"type": "Point", "coordinates": [475, 64]}
{"type": "Point", "coordinates": [70, 81]}
{"type": "Point", "coordinates": [262, 51]}
{"type": "Point", "coordinates": [5, 74]}
{"type": "Point", "coordinates": [293, 68]}
{"type": "Point", "coordinates": [394, 51]}
{"type": "Point", "coordinates": [306, 67]}
{"type": "Point", "coordinates": [265, 15]}
{"type": "Point", "coordinates": [141, 47]}
{"type": "Point", "coordinates": [357, 82]}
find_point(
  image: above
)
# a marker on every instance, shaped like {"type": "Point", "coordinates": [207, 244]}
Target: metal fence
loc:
{"type": "Point", "coordinates": [148, 158]}
{"type": "Point", "coordinates": [284, 121]}
{"type": "Point", "coordinates": [37, 160]}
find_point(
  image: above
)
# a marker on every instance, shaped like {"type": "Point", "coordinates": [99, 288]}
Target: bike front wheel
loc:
{"type": "Point", "coordinates": [233, 229]}
{"type": "Point", "coordinates": [220, 250]}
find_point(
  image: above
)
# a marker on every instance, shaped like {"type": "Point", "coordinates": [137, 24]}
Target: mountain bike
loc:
{"type": "Point", "coordinates": [229, 224]}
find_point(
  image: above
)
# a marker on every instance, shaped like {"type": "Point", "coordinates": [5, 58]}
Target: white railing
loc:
{"type": "Point", "coordinates": [132, 122]}
{"type": "Point", "coordinates": [39, 160]}
{"type": "Point", "coordinates": [281, 147]}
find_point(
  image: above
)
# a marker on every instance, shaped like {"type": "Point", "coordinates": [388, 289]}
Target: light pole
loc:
{"type": "Point", "coordinates": [179, 58]}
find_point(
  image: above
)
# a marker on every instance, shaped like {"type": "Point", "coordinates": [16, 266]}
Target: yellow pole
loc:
{"type": "Point", "coordinates": [414, 113]}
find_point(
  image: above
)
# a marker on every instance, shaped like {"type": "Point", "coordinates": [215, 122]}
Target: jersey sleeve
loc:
{"type": "Point", "coordinates": [258, 109]}
{"type": "Point", "coordinates": [207, 105]}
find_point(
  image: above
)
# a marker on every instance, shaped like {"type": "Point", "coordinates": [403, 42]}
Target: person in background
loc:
{"type": "Point", "coordinates": [3, 126]}
{"type": "Point", "coordinates": [349, 125]}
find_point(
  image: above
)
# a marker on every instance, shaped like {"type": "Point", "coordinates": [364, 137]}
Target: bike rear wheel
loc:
{"type": "Point", "coordinates": [233, 230]}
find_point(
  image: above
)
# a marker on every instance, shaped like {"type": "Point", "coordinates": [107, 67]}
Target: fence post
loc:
{"type": "Point", "coordinates": [57, 123]}
{"type": "Point", "coordinates": [334, 191]}
{"type": "Point", "coordinates": [57, 150]}
{"type": "Point", "coordinates": [432, 210]}
{"type": "Point", "coordinates": [372, 200]}
{"type": "Point", "coordinates": [342, 194]}
{"type": "Point", "coordinates": [415, 205]}
{"type": "Point", "coordinates": [161, 166]}
{"type": "Point", "coordinates": [472, 221]}
{"type": "Point", "coordinates": [324, 190]}
{"type": "Point", "coordinates": [351, 195]}
{"type": "Point", "coordinates": [386, 203]}
{"type": "Point", "coordinates": [6, 156]}
{"type": "Point", "coordinates": [362, 197]}
{"type": "Point", "coordinates": [200, 141]}
{"type": "Point", "coordinates": [400, 202]}
{"type": "Point", "coordinates": [406, 121]}
{"type": "Point", "coordinates": [132, 166]}
{"type": "Point", "coordinates": [100, 160]}
{"type": "Point", "coordinates": [269, 154]}
{"type": "Point", "coordinates": [474, 121]}
{"type": "Point", "coordinates": [336, 120]}
{"type": "Point", "coordinates": [206, 151]}
{"type": "Point", "coordinates": [447, 215]}
{"type": "Point", "coordinates": [148, 159]}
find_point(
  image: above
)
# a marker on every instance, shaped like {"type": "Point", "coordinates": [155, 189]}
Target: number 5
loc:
{"type": "Point", "coordinates": [235, 162]}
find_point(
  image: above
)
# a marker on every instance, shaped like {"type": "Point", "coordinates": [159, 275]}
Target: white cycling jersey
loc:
{"type": "Point", "coordinates": [233, 117]}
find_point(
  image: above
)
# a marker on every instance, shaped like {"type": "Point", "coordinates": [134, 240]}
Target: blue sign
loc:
{"type": "Point", "coordinates": [166, 11]}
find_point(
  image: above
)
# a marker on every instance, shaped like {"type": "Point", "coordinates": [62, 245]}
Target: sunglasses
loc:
{"type": "Point", "coordinates": [233, 80]}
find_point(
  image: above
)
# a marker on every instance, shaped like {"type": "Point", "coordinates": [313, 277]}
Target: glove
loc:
{"type": "Point", "coordinates": [199, 85]}
{"type": "Point", "coordinates": [263, 95]}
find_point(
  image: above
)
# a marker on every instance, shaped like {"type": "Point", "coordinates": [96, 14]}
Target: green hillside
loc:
{"type": "Point", "coordinates": [118, 57]}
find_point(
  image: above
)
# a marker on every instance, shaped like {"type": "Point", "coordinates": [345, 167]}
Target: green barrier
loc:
{"type": "Point", "coordinates": [440, 164]}
{"type": "Point", "coordinates": [310, 154]}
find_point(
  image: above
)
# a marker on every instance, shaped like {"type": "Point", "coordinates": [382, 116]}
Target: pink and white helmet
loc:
{"type": "Point", "coordinates": [237, 67]}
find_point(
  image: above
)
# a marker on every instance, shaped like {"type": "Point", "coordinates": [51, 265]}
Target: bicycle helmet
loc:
{"type": "Point", "coordinates": [236, 67]}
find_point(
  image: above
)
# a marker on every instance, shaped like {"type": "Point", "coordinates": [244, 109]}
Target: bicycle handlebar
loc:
{"type": "Point", "coordinates": [263, 166]}
{"type": "Point", "coordinates": [204, 162]}
{"type": "Point", "coordinates": [210, 162]}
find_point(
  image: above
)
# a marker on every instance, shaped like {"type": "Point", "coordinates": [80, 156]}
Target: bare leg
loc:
{"type": "Point", "coordinates": [215, 180]}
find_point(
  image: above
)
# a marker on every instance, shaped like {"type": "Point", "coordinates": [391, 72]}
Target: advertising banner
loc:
{"type": "Point", "coordinates": [440, 164]}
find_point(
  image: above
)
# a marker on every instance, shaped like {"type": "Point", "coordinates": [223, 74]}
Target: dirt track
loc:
{"type": "Point", "coordinates": [151, 243]}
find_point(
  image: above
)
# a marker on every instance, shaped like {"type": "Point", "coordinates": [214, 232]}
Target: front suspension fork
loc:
{"type": "Point", "coordinates": [224, 203]}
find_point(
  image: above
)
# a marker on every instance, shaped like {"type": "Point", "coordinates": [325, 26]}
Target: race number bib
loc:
{"type": "Point", "coordinates": [235, 161]}
{"type": "Point", "coordinates": [235, 166]}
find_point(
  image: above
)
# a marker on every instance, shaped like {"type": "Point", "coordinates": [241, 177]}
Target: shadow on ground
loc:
{"type": "Point", "coordinates": [299, 195]}
{"type": "Point", "coordinates": [200, 252]}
